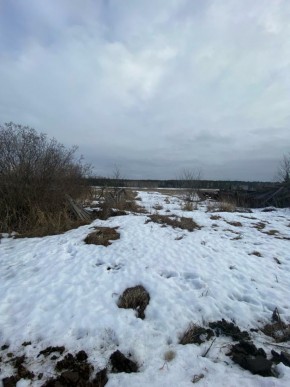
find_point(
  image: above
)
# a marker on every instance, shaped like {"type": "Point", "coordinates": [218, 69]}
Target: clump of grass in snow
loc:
{"type": "Point", "coordinates": [136, 298]}
{"type": "Point", "coordinates": [183, 222]}
{"type": "Point", "coordinates": [195, 334]}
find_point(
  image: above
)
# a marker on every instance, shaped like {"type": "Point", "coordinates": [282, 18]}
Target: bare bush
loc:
{"type": "Point", "coordinates": [284, 169]}
{"type": "Point", "coordinates": [36, 175]}
{"type": "Point", "coordinates": [190, 181]}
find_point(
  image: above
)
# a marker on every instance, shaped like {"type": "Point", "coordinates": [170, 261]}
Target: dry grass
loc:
{"type": "Point", "coordinates": [124, 200]}
{"type": "Point", "coordinates": [215, 217]}
{"type": "Point", "coordinates": [46, 223]}
{"type": "Point", "coordinates": [189, 206]}
{"type": "Point", "coordinates": [223, 206]}
{"type": "Point", "coordinates": [259, 226]}
{"type": "Point", "coordinates": [102, 236]}
{"type": "Point", "coordinates": [195, 334]}
{"type": "Point", "coordinates": [169, 355]}
{"type": "Point", "coordinates": [183, 223]}
{"type": "Point", "coordinates": [136, 298]}
{"type": "Point", "coordinates": [279, 331]}
{"type": "Point", "coordinates": [271, 232]}
{"type": "Point", "coordinates": [235, 224]}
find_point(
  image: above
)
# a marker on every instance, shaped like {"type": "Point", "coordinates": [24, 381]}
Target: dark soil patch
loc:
{"type": "Point", "coordinates": [75, 371]}
{"type": "Point", "coordinates": [136, 298]}
{"type": "Point", "coordinates": [226, 328]}
{"type": "Point", "coordinates": [269, 209]}
{"type": "Point", "coordinates": [120, 363]}
{"type": "Point", "coordinates": [249, 357]}
{"type": "Point", "coordinates": [195, 335]}
{"type": "Point", "coordinates": [21, 372]}
{"type": "Point", "coordinates": [284, 358]}
{"type": "Point", "coordinates": [183, 222]}
{"type": "Point", "coordinates": [4, 347]}
{"type": "Point", "coordinates": [49, 350]}
{"type": "Point", "coordinates": [256, 253]}
{"type": "Point", "coordinates": [102, 236]}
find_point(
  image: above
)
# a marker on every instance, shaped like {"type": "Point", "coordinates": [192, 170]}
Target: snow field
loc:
{"type": "Point", "coordinates": [59, 291]}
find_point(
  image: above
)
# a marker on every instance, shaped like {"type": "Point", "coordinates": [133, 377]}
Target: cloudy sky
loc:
{"type": "Point", "coordinates": [153, 86]}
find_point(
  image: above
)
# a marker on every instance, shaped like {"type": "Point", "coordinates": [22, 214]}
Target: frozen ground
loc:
{"type": "Point", "coordinates": [57, 290]}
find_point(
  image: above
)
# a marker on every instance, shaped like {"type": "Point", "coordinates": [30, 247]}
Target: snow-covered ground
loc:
{"type": "Point", "coordinates": [57, 290]}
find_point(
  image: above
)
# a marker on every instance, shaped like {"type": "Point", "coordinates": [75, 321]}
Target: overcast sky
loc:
{"type": "Point", "coordinates": [153, 86]}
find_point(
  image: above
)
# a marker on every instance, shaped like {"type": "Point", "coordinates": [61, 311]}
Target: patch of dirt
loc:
{"type": "Point", "coordinates": [75, 371]}
{"type": "Point", "coordinates": [256, 253]}
{"type": "Point", "coordinates": [136, 298]}
{"type": "Point", "coordinates": [195, 335]}
{"type": "Point", "coordinates": [49, 350]}
{"type": "Point", "coordinates": [226, 328]}
{"type": "Point", "coordinates": [249, 357]}
{"type": "Point", "coordinates": [182, 222]}
{"type": "Point", "coordinates": [102, 236]}
{"type": "Point", "coordinates": [269, 209]}
{"type": "Point", "coordinates": [120, 363]}
{"type": "Point", "coordinates": [284, 358]}
{"type": "Point", "coordinates": [21, 372]}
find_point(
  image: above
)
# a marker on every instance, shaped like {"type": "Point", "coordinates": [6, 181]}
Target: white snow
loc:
{"type": "Point", "coordinates": [57, 290]}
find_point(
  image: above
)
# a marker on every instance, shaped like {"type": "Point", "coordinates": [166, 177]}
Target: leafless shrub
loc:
{"type": "Point", "coordinates": [36, 174]}
{"type": "Point", "coordinates": [136, 298]}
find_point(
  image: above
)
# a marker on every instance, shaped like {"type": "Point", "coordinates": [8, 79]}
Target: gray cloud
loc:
{"type": "Point", "coordinates": [153, 87]}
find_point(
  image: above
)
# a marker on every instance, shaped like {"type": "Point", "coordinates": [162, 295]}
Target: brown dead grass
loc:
{"type": "Point", "coordinates": [136, 298]}
{"type": "Point", "coordinates": [183, 222]}
{"type": "Point", "coordinates": [259, 226]}
{"type": "Point", "coordinates": [215, 217]}
{"type": "Point", "coordinates": [102, 236]}
{"type": "Point", "coordinates": [235, 224]}
{"type": "Point", "coordinates": [195, 334]}
{"type": "Point", "coordinates": [223, 206]}
{"type": "Point", "coordinates": [279, 331]}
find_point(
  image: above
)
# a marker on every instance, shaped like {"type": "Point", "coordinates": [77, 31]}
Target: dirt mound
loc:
{"type": "Point", "coordinates": [120, 363]}
{"type": "Point", "coordinates": [136, 298]}
{"type": "Point", "coordinates": [249, 357]}
{"type": "Point", "coordinates": [229, 329]}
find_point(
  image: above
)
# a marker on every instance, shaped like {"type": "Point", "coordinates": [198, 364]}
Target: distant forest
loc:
{"type": "Point", "coordinates": [201, 184]}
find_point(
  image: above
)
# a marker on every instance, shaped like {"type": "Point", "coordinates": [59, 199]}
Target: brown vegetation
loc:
{"type": "Point", "coordinates": [183, 223]}
{"type": "Point", "coordinates": [102, 236]}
